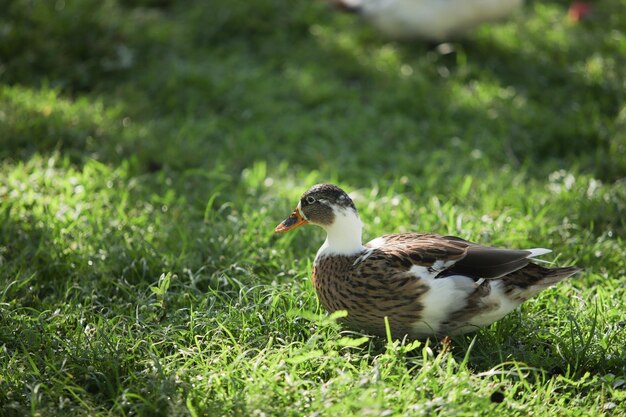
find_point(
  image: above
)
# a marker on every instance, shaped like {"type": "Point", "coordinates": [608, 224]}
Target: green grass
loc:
{"type": "Point", "coordinates": [149, 147]}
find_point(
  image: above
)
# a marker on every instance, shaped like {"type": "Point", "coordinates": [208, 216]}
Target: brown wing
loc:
{"type": "Point", "coordinates": [423, 249]}
{"type": "Point", "coordinates": [450, 255]}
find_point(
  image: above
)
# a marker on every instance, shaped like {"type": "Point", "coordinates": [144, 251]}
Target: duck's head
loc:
{"type": "Point", "coordinates": [322, 205]}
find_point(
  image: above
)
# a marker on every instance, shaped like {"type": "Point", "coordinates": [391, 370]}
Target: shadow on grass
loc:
{"type": "Point", "coordinates": [238, 89]}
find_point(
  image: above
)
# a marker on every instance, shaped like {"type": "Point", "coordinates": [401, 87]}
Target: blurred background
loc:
{"type": "Point", "coordinates": [189, 84]}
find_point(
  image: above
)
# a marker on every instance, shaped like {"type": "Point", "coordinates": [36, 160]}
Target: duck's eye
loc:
{"type": "Point", "coordinates": [310, 200]}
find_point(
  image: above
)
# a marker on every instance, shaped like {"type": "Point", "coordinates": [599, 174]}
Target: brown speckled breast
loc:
{"type": "Point", "coordinates": [369, 295]}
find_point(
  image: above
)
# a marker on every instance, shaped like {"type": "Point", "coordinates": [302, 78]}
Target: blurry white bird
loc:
{"type": "Point", "coordinates": [435, 20]}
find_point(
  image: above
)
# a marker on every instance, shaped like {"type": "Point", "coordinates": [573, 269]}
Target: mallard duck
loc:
{"type": "Point", "coordinates": [435, 20]}
{"type": "Point", "coordinates": [423, 283]}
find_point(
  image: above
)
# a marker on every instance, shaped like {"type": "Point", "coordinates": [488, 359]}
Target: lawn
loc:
{"type": "Point", "coordinates": [149, 147]}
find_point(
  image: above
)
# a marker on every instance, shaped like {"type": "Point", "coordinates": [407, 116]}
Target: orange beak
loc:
{"type": "Point", "coordinates": [291, 222]}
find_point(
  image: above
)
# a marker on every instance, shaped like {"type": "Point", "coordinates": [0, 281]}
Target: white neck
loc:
{"type": "Point", "coordinates": [343, 237]}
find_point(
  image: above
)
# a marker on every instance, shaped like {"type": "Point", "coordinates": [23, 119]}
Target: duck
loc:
{"type": "Point", "coordinates": [419, 285]}
{"type": "Point", "coordinates": [431, 20]}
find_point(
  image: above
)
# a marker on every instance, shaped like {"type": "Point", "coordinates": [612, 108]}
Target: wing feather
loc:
{"type": "Point", "coordinates": [450, 255]}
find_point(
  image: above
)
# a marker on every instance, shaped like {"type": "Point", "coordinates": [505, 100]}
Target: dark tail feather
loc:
{"type": "Point", "coordinates": [557, 274]}
{"type": "Point", "coordinates": [532, 279]}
